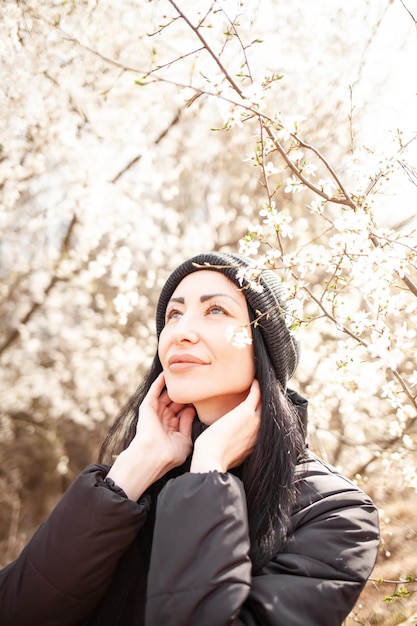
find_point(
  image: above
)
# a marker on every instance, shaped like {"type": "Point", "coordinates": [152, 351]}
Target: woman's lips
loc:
{"type": "Point", "coordinates": [180, 366]}
{"type": "Point", "coordinates": [180, 362]}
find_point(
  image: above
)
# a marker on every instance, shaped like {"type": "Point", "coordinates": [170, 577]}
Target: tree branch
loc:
{"type": "Point", "coordinates": [137, 158]}
{"type": "Point", "coordinates": [14, 334]}
{"type": "Point", "coordinates": [214, 56]}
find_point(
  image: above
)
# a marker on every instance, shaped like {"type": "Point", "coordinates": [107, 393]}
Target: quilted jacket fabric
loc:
{"type": "Point", "coordinates": [196, 569]}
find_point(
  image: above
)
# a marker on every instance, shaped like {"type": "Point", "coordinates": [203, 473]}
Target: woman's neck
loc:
{"type": "Point", "coordinates": [212, 409]}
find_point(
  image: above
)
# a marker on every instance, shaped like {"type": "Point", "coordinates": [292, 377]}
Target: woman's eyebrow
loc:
{"type": "Point", "coordinates": [180, 300]}
{"type": "Point", "coordinates": [205, 297]}
{"type": "Point", "coordinates": [209, 296]}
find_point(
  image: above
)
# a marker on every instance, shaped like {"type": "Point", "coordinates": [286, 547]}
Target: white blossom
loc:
{"type": "Point", "coordinates": [412, 381]}
{"type": "Point", "coordinates": [271, 169]}
{"type": "Point", "coordinates": [238, 336]}
{"type": "Point", "coordinates": [248, 246]}
{"type": "Point", "coordinates": [254, 95]}
{"type": "Point", "coordinates": [294, 185]}
{"type": "Point", "coordinates": [251, 275]}
{"type": "Point", "coordinates": [279, 220]}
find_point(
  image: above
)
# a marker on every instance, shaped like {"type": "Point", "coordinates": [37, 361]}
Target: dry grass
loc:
{"type": "Point", "coordinates": [397, 560]}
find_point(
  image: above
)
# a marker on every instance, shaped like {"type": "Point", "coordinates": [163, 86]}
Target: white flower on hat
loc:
{"type": "Point", "coordinates": [252, 276]}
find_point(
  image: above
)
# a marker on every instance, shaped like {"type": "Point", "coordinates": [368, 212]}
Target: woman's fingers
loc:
{"type": "Point", "coordinates": [254, 395]}
{"type": "Point", "coordinates": [229, 441]}
{"type": "Point", "coordinates": [158, 396]}
{"type": "Point", "coordinates": [156, 390]}
{"type": "Point", "coordinates": [186, 416]}
{"type": "Point", "coordinates": [159, 403]}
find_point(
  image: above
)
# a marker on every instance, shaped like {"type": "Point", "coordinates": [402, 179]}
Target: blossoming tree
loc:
{"type": "Point", "coordinates": [129, 144]}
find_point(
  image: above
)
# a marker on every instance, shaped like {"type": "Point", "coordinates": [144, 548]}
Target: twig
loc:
{"type": "Point", "coordinates": [409, 13]}
{"type": "Point", "coordinates": [214, 56]}
{"type": "Point", "coordinates": [137, 158]}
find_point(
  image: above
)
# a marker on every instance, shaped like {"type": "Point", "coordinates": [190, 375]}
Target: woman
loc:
{"type": "Point", "coordinates": [213, 512]}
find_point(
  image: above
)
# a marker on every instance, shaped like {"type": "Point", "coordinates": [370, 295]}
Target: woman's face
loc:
{"type": "Point", "coordinates": [201, 366]}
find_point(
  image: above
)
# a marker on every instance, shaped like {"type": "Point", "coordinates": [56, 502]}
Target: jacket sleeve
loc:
{"type": "Point", "coordinates": [317, 579]}
{"type": "Point", "coordinates": [200, 570]}
{"type": "Point", "coordinates": [67, 566]}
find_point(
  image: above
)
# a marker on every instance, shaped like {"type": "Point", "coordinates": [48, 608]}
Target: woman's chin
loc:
{"type": "Point", "coordinates": [180, 396]}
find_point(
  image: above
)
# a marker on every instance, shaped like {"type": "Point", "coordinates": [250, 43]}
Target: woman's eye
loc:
{"type": "Point", "coordinates": [216, 310]}
{"type": "Point", "coordinates": [173, 314]}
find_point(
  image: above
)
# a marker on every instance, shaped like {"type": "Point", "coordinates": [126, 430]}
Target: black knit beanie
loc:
{"type": "Point", "coordinates": [268, 306]}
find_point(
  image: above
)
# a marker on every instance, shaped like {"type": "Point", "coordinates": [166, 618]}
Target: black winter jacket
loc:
{"type": "Point", "coordinates": [199, 571]}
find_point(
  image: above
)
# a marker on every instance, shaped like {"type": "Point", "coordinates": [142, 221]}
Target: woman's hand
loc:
{"type": "Point", "coordinates": [229, 441]}
{"type": "Point", "coordinates": [162, 441]}
{"type": "Point", "coordinates": [165, 425]}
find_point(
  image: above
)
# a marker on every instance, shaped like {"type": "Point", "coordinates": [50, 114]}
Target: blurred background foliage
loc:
{"type": "Point", "coordinates": [118, 159]}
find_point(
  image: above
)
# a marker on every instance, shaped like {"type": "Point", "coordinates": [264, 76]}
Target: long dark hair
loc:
{"type": "Point", "coordinates": [267, 474]}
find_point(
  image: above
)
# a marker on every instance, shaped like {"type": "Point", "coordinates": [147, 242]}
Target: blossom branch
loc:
{"type": "Point", "coordinates": [197, 32]}
{"type": "Point", "coordinates": [346, 200]}
{"type": "Point", "coordinates": [252, 111]}
{"type": "Point", "coordinates": [338, 324]}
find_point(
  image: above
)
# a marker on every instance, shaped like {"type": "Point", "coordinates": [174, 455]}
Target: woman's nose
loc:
{"type": "Point", "coordinates": [186, 329]}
